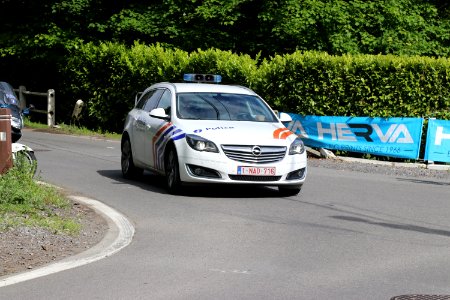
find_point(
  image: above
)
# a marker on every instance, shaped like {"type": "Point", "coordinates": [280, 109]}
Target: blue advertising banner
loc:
{"type": "Point", "coordinates": [395, 137]}
{"type": "Point", "coordinates": [438, 141]}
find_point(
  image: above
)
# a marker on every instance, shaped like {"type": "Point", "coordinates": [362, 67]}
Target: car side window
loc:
{"type": "Point", "coordinates": [144, 98]}
{"type": "Point", "coordinates": [166, 101]}
{"type": "Point", "coordinates": [153, 100]}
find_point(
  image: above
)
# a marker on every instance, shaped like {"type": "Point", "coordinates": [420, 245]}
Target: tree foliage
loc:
{"type": "Point", "coordinates": [401, 27]}
{"type": "Point", "coordinates": [370, 27]}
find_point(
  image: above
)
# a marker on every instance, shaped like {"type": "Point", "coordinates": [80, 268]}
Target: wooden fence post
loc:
{"type": "Point", "coordinates": [51, 108]}
{"type": "Point", "coordinates": [22, 99]}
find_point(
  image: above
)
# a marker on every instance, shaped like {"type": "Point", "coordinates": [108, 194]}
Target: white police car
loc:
{"type": "Point", "coordinates": [204, 132]}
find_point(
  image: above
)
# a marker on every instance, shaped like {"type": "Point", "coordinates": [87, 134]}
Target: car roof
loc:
{"type": "Point", "coordinates": [206, 87]}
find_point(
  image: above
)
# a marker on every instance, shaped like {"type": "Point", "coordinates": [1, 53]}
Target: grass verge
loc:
{"type": "Point", "coordinates": [71, 129]}
{"type": "Point", "coordinates": [25, 202]}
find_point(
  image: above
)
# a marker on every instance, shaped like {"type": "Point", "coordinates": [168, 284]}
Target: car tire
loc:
{"type": "Point", "coordinates": [129, 170]}
{"type": "Point", "coordinates": [287, 191]}
{"type": "Point", "coordinates": [172, 170]}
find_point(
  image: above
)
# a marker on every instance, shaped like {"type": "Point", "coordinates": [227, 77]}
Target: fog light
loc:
{"type": "Point", "coordinates": [297, 174]}
{"type": "Point", "coordinates": [203, 172]}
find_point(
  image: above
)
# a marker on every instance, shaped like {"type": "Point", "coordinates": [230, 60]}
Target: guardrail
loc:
{"type": "Point", "coordinates": [50, 95]}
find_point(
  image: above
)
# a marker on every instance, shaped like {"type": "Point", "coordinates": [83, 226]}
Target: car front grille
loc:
{"type": "Point", "coordinates": [254, 178]}
{"type": "Point", "coordinates": [254, 154]}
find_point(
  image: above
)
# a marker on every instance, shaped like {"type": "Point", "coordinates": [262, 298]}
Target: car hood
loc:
{"type": "Point", "coordinates": [241, 132]}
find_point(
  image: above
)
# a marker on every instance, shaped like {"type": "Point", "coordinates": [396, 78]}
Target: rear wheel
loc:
{"type": "Point", "coordinates": [129, 170]}
{"type": "Point", "coordinates": [172, 172]}
{"type": "Point", "coordinates": [289, 190]}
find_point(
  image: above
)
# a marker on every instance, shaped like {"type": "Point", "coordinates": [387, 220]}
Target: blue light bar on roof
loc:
{"type": "Point", "coordinates": [202, 78]}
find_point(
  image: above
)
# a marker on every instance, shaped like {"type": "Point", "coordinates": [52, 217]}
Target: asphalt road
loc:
{"type": "Point", "coordinates": [348, 235]}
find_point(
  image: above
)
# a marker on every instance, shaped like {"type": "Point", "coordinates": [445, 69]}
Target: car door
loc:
{"type": "Point", "coordinates": [142, 125]}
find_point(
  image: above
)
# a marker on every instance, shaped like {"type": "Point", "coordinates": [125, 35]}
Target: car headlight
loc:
{"type": "Point", "coordinates": [200, 144]}
{"type": "Point", "coordinates": [16, 122]}
{"type": "Point", "coordinates": [297, 147]}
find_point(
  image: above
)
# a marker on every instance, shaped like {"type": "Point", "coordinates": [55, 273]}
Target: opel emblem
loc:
{"type": "Point", "coordinates": [256, 150]}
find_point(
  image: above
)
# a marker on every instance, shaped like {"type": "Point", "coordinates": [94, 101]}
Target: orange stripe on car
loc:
{"type": "Point", "coordinates": [285, 134]}
{"type": "Point", "coordinates": [281, 133]}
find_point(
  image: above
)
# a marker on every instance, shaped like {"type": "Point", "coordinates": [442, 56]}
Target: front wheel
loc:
{"type": "Point", "coordinates": [26, 160]}
{"type": "Point", "coordinates": [287, 191]}
{"type": "Point", "coordinates": [172, 172]}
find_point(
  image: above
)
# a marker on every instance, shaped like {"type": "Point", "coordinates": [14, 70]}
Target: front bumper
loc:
{"type": "Point", "coordinates": [207, 167]}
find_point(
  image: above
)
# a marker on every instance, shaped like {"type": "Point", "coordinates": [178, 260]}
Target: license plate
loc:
{"type": "Point", "coordinates": [256, 171]}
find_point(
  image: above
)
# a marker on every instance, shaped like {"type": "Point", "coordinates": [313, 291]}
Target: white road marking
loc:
{"type": "Point", "coordinates": [231, 271]}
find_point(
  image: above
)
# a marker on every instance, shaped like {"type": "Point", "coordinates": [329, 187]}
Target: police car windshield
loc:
{"type": "Point", "coordinates": [221, 106]}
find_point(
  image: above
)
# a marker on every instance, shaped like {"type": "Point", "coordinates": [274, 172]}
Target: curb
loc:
{"type": "Point", "coordinates": [119, 235]}
{"type": "Point", "coordinates": [324, 153]}
{"type": "Point", "coordinates": [396, 164]}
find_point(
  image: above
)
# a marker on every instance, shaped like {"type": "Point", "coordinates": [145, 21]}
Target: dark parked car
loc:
{"type": "Point", "coordinates": [8, 99]}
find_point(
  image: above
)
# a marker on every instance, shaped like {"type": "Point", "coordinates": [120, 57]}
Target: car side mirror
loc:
{"type": "Point", "coordinates": [284, 117]}
{"type": "Point", "coordinates": [159, 113]}
{"type": "Point", "coordinates": [28, 109]}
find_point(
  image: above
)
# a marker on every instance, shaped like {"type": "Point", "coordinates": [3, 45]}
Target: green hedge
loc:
{"type": "Point", "coordinates": [108, 75]}
{"type": "Point", "coordinates": [314, 83]}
